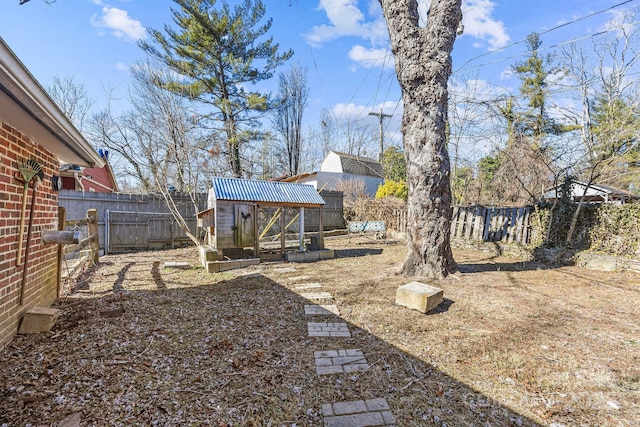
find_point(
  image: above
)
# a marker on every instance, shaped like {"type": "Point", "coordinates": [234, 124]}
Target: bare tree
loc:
{"type": "Point", "coordinates": [327, 125]}
{"type": "Point", "coordinates": [72, 98]}
{"type": "Point", "coordinates": [610, 101]}
{"type": "Point", "coordinates": [423, 67]}
{"type": "Point", "coordinates": [291, 101]}
{"type": "Point", "coordinates": [162, 140]}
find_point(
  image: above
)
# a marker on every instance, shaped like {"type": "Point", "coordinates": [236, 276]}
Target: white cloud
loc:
{"type": "Point", "coordinates": [479, 23]}
{"type": "Point", "coordinates": [346, 19]}
{"type": "Point", "coordinates": [350, 110]}
{"type": "Point", "coordinates": [120, 24]}
{"type": "Point", "coordinates": [121, 66]}
{"type": "Point", "coordinates": [370, 58]}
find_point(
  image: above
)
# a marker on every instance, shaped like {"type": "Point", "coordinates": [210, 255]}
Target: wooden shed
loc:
{"type": "Point", "coordinates": [241, 212]}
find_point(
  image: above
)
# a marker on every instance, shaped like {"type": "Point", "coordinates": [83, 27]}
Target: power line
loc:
{"type": "Point", "coordinates": [544, 32]}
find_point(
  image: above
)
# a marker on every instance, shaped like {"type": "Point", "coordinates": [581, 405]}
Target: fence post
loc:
{"type": "Point", "coordinates": [62, 217]}
{"type": "Point", "coordinates": [92, 215]}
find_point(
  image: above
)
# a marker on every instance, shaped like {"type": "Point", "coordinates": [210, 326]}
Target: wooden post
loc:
{"type": "Point", "coordinates": [301, 248]}
{"type": "Point", "coordinates": [320, 231]}
{"type": "Point", "coordinates": [62, 217]}
{"type": "Point", "coordinates": [256, 237]}
{"type": "Point", "coordinates": [92, 215]}
{"type": "Point", "coordinates": [283, 228]}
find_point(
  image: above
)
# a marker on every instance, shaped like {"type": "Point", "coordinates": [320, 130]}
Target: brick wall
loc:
{"type": "Point", "coordinates": [41, 277]}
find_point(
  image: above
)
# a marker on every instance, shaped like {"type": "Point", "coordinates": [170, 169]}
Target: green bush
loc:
{"type": "Point", "coordinates": [393, 188]}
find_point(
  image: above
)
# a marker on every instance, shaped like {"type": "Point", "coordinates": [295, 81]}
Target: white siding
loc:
{"type": "Point", "coordinates": [331, 163]}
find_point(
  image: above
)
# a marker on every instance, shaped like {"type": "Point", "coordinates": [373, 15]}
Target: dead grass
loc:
{"type": "Point", "coordinates": [514, 343]}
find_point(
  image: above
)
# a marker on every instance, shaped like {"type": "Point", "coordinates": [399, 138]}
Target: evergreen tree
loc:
{"type": "Point", "coordinates": [215, 52]}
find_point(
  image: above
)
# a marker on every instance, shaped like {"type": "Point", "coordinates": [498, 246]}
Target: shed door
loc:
{"type": "Point", "coordinates": [244, 225]}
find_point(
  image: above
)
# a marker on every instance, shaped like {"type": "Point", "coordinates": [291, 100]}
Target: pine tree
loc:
{"type": "Point", "coordinates": [215, 52]}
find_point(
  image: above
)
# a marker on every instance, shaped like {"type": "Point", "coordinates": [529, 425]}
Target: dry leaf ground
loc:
{"type": "Point", "coordinates": [514, 344]}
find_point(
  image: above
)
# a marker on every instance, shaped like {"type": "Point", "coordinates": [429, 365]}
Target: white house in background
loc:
{"type": "Point", "coordinates": [595, 194]}
{"type": "Point", "coordinates": [342, 167]}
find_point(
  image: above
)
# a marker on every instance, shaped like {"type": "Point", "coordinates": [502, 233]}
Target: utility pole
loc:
{"type": "Point", "coordinates": [381, 116]}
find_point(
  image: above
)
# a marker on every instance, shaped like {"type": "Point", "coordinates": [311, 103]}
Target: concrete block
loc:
{"type": "Point", "coordinates": [207, 254]}
{"type": "Point", "coordinates": [419, 296]}
{"type": "Point", "coordinates": [295, 257]}
{"type": "Point", "coordinates": [176, 264]}
{"type": "Point", "coordinates": [597, 262]}
{"type": "Point", "coordinates": [218, 266]}
{"type": "Point", "coordinates": [38, 319]}
{"type": "Point", "coordinates": [326, 254]}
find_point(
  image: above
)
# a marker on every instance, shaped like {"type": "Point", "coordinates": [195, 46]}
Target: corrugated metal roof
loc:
{"type": "Point", "coordinates": [248, 190]}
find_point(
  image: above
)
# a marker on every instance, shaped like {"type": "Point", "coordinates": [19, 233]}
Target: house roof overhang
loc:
{"type": "Point", "coordinates": [25, 105]}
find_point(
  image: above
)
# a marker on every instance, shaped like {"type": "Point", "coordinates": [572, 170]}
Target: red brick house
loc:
{"type": "Point", "coordinates": [97, 179]}
{"type": "Point", "coordinates": [32, 130]}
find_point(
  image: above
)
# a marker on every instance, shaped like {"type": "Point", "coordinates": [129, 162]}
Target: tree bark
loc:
{"type": "Point", "coordinates": [423, 67]}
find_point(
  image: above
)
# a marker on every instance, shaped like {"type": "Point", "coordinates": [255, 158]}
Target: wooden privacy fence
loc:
{"type": "Point", "coordinates": [491, 224]}
{"type": "Point", "coordinates": [488, 224]}
{"type": "Point", "coordinates": [127, 231]}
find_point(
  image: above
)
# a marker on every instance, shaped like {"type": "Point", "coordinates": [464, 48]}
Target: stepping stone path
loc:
{"type": "Point", "coordinates": [359, 413]}
{"type": "Point", "coordinates": [321, 310]}
{"type": "Point", "coordinates": [304, 286]}
{"type": "Point", "coordinates": [322, 329]}
{"type": "Point", "coordinates": [249, 275]}
{"type": "Point", "coordinates": [284, 270]}
{"type": "Point", "coordinates": [299, 278]}
{"type": "Point", "coordinates": [316, 295]}
{"type": "Point", "coordinates": [340, 362]}
{"type": "Point", "coordinates": [176, 264]}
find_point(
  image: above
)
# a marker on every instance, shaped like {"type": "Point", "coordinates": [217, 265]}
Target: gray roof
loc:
{"type": "Point", "coordinates": [357, 165]}
{"type": "Point", "coordinates": [248, 190]}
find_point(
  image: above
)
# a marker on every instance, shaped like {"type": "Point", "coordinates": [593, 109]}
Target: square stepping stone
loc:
{"type": "Point", "coordinates": [316, 295]}
{"type": "Point", "coordinates": [322, 329]}
{"type": "Point", "coordinates": [340, 362]}
{"type": "Point", "coordinates": [359, 413]}
{"type": "Point", "coordinates": [249, 275]}
{"type": "Point", "coordinates": [284, 270]}
{"type": "Point", "coordinates": [321, 310]}
{"type": "Point", "coordinates": [302, 286]}
{"type": "Point", "coordinates": [176, 264]}
{"type": "Point", "coordinates": [299, 278]}
{"type": "Point", "coordinates": [419, 296]}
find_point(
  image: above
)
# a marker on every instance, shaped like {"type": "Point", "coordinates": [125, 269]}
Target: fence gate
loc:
{"type": "Point", "coordinates": [131, 231]}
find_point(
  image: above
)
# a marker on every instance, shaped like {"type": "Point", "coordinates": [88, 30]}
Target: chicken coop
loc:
{"type": "Point", "coordinates": [252, 218]}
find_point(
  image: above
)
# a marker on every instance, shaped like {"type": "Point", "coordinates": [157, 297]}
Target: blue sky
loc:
{"type": "Point", "coordinates": [343, 43]}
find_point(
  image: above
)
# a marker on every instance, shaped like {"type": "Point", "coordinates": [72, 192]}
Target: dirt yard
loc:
{"type": "Point", "coordinates": [514, 344]}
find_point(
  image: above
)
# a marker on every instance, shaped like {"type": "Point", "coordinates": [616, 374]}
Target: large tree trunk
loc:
{"type": "Point", "coordinates": [423, 67]}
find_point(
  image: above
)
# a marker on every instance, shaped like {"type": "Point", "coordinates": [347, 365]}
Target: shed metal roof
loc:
{"type": "Point", "coordinates": [248, 190]}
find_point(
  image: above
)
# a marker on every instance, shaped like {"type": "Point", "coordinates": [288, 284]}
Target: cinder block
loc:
{"type": "Point", "coordinates": [207, 254]}
{"type": "Point", "coordinates": [326, 254]}
{"type": "Point", "coordinates": [419, 296]}
{"type": "Point", "coordinates": [38, 319]}
{"type": "Point", "coordinates": [218, 266]}
{"type": "Point", "coordinates": [176, 264]}
{"type": "Point", "coordinates": [295, 257]}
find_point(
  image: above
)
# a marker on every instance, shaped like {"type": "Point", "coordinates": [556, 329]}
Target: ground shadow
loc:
{"type": "Point", "coordinates": [443, 307]}
{"type": "Point", "coordinates": [504, 266]}
{"type": "Point", "coordinates": [117, 285]}
{"type": "Point", "coordinates": [157, 277]}
{"type": "Point", "coordinates": [356, 252]}
{"type": "Point", "coordinates": [249, 363]}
